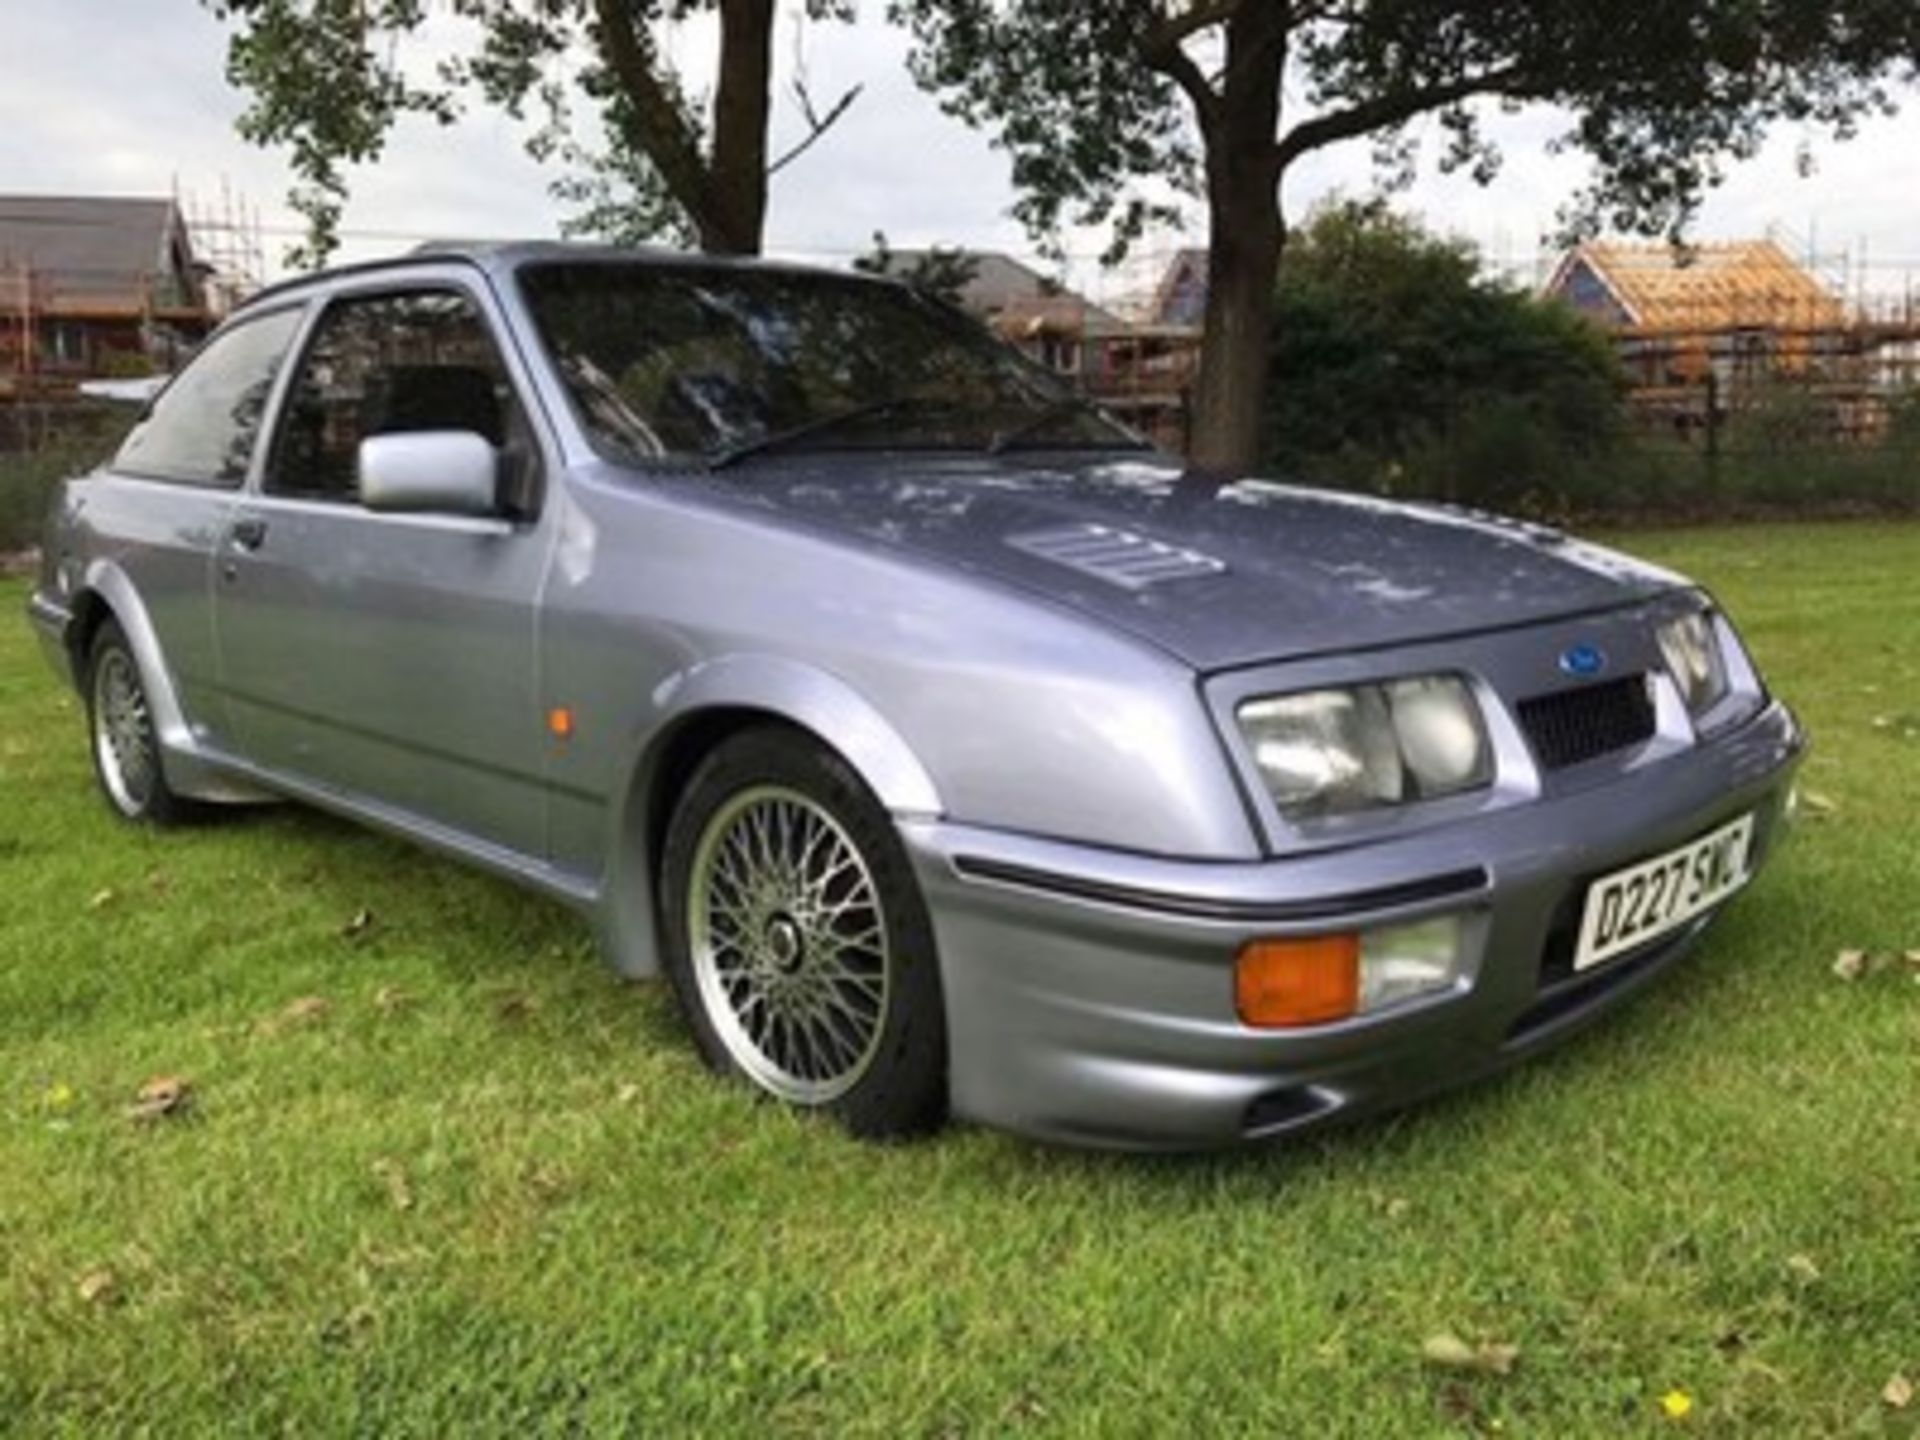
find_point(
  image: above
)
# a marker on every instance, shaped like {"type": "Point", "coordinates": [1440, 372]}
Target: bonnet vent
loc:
{"type": "Point", "coordinates": [1118, 557]}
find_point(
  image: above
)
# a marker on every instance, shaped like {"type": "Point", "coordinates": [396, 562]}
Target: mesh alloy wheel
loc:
{"type": "Point", "coordinates": [788, 940]}
{"type": "Point", "coordinates": [123, 738]}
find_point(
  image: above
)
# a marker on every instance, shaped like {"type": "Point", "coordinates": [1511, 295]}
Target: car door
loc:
{"type": "Point", "coordinates": [157, 510]}
{"type": "Point", "coordinates": [390, 657]}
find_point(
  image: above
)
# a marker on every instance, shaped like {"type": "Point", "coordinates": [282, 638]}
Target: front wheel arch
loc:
{"type": "Point", "coordinates": [704, 706]}
{"type": "Point", "coordinates": [843, 885]}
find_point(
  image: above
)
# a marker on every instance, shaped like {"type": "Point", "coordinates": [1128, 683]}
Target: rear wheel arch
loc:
{"type": "Point", "coordinates": [121, 734]}
{"type": "Point", "coordinates": [106, 594]}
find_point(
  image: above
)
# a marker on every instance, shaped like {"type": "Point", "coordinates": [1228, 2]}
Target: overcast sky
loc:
{"type": "Point", "coordinates": [129, 97]}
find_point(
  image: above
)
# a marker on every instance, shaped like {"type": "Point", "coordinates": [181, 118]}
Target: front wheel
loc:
{"type": "Point", "coordinates": [798, 944]}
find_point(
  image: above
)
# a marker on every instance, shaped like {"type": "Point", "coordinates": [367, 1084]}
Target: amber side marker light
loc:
{"type": "Point", "coordinates": [560, 722]}
{"type": "Point", "coordinates": [1278, 984]}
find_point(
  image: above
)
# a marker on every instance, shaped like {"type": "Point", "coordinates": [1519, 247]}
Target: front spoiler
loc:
{"type": "Point", "coordinates": [1089, 992]}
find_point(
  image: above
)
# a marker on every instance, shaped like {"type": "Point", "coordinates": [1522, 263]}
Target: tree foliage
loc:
{"type": "Point", "coordinates": [943, 272]}
{"type": "Point", "coordinates": [1222, 97]}
{"type": "Point", "coordinates": [1397, 362]}
{"type": "Point", "coordinates": [330, 78]}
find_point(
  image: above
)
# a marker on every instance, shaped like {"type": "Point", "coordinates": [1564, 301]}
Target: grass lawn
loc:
{"type": "Point", "coordinates": [479, 1185]}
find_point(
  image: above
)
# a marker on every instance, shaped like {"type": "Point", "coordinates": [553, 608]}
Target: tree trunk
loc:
{"type": "Point", "coordinates": [741, 103]}
{"type": "Point", "coordinates": [1245, 235]}
{"type": "Point", "coordinates": [1243, 258]}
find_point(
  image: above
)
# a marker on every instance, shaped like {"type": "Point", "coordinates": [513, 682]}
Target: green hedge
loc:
{"type": "Point", "coordinates": [40, 448]}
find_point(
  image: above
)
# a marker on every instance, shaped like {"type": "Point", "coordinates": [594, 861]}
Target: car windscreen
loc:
{"type": "Point", "coordinates": [713, 362]}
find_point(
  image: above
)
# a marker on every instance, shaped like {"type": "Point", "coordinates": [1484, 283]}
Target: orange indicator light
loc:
{"type": "Point", "coordinates": [1283, 983]}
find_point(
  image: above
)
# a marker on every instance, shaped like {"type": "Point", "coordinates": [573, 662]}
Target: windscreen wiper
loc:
{"type": "Point", "coordinates": [781, 439]}
{"type": "Point", "coordinates": [1058, 410]}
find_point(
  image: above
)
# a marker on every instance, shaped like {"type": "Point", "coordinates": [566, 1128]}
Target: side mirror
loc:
{"type": "Point", "coordinates": [450, 472]}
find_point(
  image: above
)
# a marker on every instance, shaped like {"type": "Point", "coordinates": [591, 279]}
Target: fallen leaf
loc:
{"type": "Point", "coordinates": [1803, 1268]}
{"type": "Point", "coordinates": [391, 1000]}
{"type": "Point", "coordinates": [1450, 1352]}
{"type": "Point", "coordinates": [359, 925]}
{"type": "Point", "coordinates": [1676, 1404]}
{"type": "Point", "coordinates": [96, 1285]}
{"type": "Point", "coordinates": [306, 1010]}
{"type": "Point", "coordinates": [1898, 1392]}
{"type": "Point", "coordinates": [517, 1006]}
{"type": "Point", "coordinates": [1458, 1403]}
{"type": "Point", "coordinates": [101, 899]}
{"type": "Point", "coordinates": [161, 1096]}
{"type": "Point", "coordinates": [627, 1093]}
{"type": "Point", "coordinates": [58, 1097]}
{"type": "Point", "coordinates": [1815, 803]}
{"type": "Point", "coordinates": [549, 1182]}
{"type": "Point", "coordinates": [1912, 957]}
{"type": "Point", "coordinates": [1850, 964]}
{"type": "Point", "coordinates": [1499, 1357]}
{"type": "Point", "coordinates": [343, 1328]}
{"type": "Point", "coordinates": [393, 1175]}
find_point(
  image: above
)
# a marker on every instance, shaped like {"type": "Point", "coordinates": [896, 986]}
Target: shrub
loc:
{"type": "Point", "coordinates": [50, 446]}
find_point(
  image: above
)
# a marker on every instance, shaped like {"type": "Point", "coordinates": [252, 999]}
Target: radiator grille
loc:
{"type": "Point", "coordinates": [1572, 726]}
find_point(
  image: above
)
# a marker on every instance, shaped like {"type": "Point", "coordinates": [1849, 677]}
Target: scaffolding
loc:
{"type": "Point", "coordinates": [226, 238]}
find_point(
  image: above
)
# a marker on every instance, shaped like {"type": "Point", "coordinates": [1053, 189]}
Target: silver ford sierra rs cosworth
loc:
{"type": "Point", "coordinates": [950, 749]}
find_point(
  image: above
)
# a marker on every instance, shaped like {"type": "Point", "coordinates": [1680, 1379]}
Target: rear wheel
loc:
{"type": "Point", "coordinates": [126, 746]}
{"type": "Point", "coordinates": [798, 943]}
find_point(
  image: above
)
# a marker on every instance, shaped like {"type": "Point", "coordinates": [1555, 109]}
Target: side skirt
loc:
{"type": "Point", "coordinates": [567, 887]}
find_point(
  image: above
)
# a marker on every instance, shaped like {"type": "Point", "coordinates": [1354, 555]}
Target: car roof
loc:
{"type": "Point", "coordinates": [501, 257]}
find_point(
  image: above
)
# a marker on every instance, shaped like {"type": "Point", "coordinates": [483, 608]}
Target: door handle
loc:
{"type": "Point", "coordinates": [248, 532]}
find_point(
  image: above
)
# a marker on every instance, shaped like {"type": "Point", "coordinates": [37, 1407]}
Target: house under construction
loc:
{"type": "Point", "coordinates": [1142, 369]}
{"type": "Point", "coordinates": [95, 287]}
{"type": "Point", "coordinates": [1703, 333]}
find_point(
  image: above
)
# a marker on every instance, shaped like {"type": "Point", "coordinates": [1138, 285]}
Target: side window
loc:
{"type": "Point", "coordinates": [384, 364]}
{"type": "Point", "coordinates": [202, 429]}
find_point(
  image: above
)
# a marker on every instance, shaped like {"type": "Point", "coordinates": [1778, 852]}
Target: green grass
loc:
{"type": "Point", "coordinates": [490, 1190]}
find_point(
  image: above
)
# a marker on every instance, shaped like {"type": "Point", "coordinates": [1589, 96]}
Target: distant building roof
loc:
{"type": "Point", "coordinates": [1744, 285]}
{"type": "Point", "coordinates": [87, 252]}
{"type": "Point", "coordinates": [1181, 296]}
{"type": "Point", "coordinates": [997, 281]}
{"type": "Point", "coordinates": [1012, 294]}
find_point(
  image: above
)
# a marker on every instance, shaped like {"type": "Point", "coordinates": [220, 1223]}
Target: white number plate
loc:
{"type": "Point", "coordinates": [1643, 902]}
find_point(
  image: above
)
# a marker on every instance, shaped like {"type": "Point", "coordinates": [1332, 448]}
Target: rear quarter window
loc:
{"type": "Point", "coordinates": [203, 427]}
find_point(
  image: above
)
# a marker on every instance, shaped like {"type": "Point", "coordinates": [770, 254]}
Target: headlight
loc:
{"type": "Point", "coordinates": [1332, 752]}
{"type": "Point", "coordinates": [1691, 648]}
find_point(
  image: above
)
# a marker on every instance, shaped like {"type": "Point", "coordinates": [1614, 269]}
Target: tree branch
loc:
{"type": "Point", "coordinates": [1178, 66]}
{"type": "Point", "coordinates": [1391, 109]}
{"type": "Point", "coordinates": [1309, 12]}
{"type": "Point", "coordinates": [659, 129]}
{"type": "Point", "coordinates": [1171, 32]}
{"type": "Point", "coordinates": [817, 124]}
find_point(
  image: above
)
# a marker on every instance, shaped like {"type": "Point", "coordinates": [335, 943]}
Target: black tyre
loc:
{"type": "Point", "coordinates": [797, 940]}
{"type": "Point", "coordinates": [125, 744]}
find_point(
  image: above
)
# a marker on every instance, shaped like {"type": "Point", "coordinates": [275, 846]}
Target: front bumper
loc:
{"type": "Point", "coordinates": [1089, 993]}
